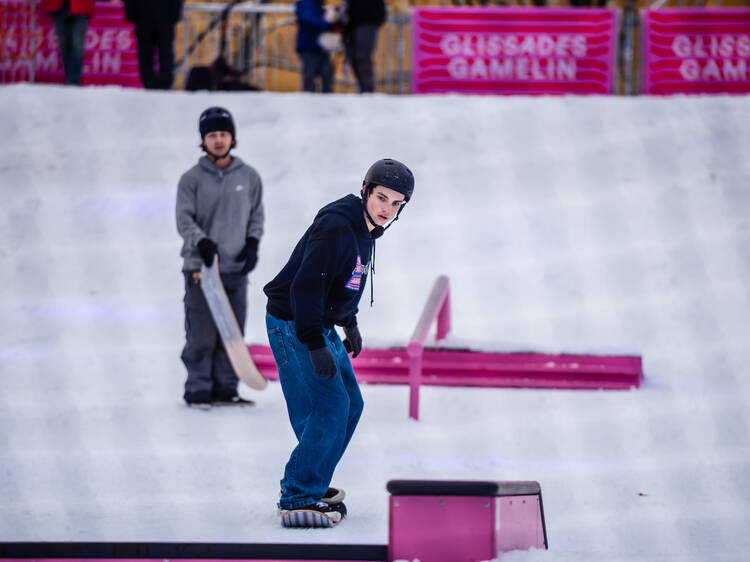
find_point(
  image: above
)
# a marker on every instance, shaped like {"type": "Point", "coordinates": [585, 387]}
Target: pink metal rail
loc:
{"type": "Point", "coordinates": [416, 365]}
{"type": "Point", "coordinates": [455, 367]}
{"type": "Point", "coordinates": [437, 308]}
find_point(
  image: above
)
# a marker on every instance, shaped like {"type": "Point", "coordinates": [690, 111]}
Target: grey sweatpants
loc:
{"type": "Point", "coordinates": [209, 372]}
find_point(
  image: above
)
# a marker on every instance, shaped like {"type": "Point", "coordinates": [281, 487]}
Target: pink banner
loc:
{"type": "Point", "coordinates": [513, 50]}
{"type": "Point", "coordinates": [30, 46]}
{"type": "Point", "coordinates": [700, 50]}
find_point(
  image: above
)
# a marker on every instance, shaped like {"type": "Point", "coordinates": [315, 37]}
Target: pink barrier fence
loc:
{"type": "Point", "coordinates": [690, 51]}
{"type": "Point", "coordinates": [513, 50]}
{"type": "Point", "coordinates": [30, 48]}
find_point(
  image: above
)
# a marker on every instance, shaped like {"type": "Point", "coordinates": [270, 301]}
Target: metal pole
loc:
{"type": "Point", "coordinates": [185, 44]}
{"type": "Point", "coordinates": [31, 35]}
{"type": "Point", "coordinates": [628, 47]}
{"type": "Point", "coordinates": [402, 21]}
{"type": "Point", "coordinates": [415, 351]}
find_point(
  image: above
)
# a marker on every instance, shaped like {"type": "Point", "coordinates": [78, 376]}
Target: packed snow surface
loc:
{"type": "Point", "coordinates": [579, 224]}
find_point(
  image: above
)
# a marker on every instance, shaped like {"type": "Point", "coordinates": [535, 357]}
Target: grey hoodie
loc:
{"type": "Point", "coordinates": [223, 205]}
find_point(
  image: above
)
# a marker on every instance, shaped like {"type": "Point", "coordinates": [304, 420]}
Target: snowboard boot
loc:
{"type": "Point", "coordinates": [230, 398]}
{"type": "Point", "coordinates": [333, 496]}
{"type": "Point", "coordinates": [234, 401]}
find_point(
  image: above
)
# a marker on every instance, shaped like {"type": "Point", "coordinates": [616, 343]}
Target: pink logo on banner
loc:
{"type": "Point", "coordinates": [696, 51]}
{"type": "Point", "coordinates": [110, 57]}
{"type": "Point", "coordinates": [513, 50]}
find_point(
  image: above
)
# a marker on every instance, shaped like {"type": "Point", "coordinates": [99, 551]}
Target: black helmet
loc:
{"type": "Point", "coordinates": [391, 174]}
{"type": "Point", "coordinates": [215, 119]}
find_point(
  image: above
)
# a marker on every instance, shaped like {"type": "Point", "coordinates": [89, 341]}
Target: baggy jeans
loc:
{"type": "Point", "coordinates": [323, 412]}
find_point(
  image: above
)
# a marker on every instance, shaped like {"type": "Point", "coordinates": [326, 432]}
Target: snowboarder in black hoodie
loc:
{"type": "Point", "coordinates": [320, 288]}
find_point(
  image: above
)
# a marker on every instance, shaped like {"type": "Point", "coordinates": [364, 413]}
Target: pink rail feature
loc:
{"type": "Point", "coordinates": [416, 365]}
{"type": "Point", "coordinates": [437, 308]}
{"type": "Point", "coordinates": [466, 367]}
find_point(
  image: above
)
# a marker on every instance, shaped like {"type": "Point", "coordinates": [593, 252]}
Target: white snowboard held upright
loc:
{"type": "Point", "coordinates": [229, 330]}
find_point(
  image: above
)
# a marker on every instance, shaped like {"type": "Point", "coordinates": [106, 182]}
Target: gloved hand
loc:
{"type": "Point", "coordinates": [324, 365]}
{"type": "Point", "coordinates": [248, 254]}
{"type": "Point", "coordinates": [353, 341]}
{"type": "Point", "coordinates": [207, 248]}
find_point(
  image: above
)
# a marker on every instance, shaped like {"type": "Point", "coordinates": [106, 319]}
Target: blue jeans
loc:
{"type": "Point", "coordinates": [71, 34]}
{"type": "Point", "coordinates": [323, 412]}
{"type": "Point", "coordinates": [314, 64]}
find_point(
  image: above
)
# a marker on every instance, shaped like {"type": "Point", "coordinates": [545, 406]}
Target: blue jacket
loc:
{"type": "Point", "coordinates": [321, 284]}
{"type": "Point", "coordinates": [310, 24]}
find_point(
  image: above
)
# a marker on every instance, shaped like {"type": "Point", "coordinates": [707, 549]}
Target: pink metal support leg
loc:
{"type": "Point", "coordinates": [437, 308]}
{"type": "Point", "coordinates": [415, 376]}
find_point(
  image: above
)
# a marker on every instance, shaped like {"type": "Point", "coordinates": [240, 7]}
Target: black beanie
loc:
{"type": "Point", "coordinates": [216, 119]}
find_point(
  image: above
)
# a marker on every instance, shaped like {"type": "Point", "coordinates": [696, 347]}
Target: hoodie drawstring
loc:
{"type": "Point", "coordinates": [372, 276]}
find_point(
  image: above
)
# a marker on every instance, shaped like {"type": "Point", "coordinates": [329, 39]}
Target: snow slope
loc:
{"type": "Point", "coordinates": [584, 224]}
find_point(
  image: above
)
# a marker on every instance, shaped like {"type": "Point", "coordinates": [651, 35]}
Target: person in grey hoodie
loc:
{"type": "Point", "coordinates": [219, 212]}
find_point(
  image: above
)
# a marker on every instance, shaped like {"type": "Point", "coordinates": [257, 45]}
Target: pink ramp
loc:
{"type": "Point", "coordinates": [452, 367]}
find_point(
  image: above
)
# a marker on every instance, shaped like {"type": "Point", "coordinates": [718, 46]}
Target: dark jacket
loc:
{"type": "Point", "coordinates": [310, 24]}
{"type": "Point", "coordinates": [160, 12]}
{"type": "Point", "coordinates": [321, 284]}
{"type": "Point", "coordinates": [362, 12]}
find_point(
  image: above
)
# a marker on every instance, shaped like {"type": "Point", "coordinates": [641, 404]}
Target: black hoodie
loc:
{"type": "Point", "coordinates": [321, 284]}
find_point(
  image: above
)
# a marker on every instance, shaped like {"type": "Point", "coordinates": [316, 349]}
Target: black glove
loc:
{"type": "Point", "coordinates": [207, 248]}
{"type": "Point", "coordinates": [324, 365]}
{"type": "Point", "coordinates": [353, 341]}
{"type": "Point", "coordinates": [249, 255]}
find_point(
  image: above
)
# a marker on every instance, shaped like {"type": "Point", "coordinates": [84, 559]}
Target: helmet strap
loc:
{"type": "Point", "coordinates": [214, 157]}
{"type": "Point", "coordinates": [378, 230]}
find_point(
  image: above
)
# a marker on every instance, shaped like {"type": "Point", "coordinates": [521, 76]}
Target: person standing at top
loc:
{"type": "Point", "coordinates": [71, 23]}
{"type": "Point", "coordinates": [219, 212]}
{"type": "Point", "coordinates": [316, 62]}
{"type": "Point", "coordinates": [363, 20]}
{"type": "Point", "coordinates": [154, 22]}
{"type": "Point", "coordinates": [319, 288]}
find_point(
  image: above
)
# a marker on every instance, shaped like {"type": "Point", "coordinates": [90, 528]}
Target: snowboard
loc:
{"type": "Point", "coordinates": [228, 328]}
{"type": "Point", "coordinates": [305, 517]}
